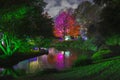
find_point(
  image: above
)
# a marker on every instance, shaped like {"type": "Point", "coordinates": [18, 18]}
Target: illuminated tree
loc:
{"type": "Point", "coordinates": [9, 44]}
{"type": "Point", "coordinates": [23, 18]}
{"type": "Point", "coordinates": [14, 50]}
{"type": "Point", "coordinates": [64, 25]}
{"type": "Point", "coordinates": [74, 31]}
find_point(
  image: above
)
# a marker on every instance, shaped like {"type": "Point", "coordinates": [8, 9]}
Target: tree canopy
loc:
{"type": "Point", "coordinates": [110, 17]}
{"type": "Point", "coordinates": [65, 25]}
{"type": "Point", "coordinates": [25, 18]}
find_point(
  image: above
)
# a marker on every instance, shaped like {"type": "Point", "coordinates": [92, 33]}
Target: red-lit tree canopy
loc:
{"type": "Point", "coordinates": [65, 25]}
{"type": "Point", "coordinates": [74, 30]}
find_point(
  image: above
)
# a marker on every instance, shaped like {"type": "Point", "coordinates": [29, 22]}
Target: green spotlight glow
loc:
{"type": "Point", "coordinates": [17, 14]}
{"type": "Point", "coordinates": [113, 40]}
{"type": "Point", "coordinates": [9, 71]}
{"type": "Point", "coordinates": [9, 44]}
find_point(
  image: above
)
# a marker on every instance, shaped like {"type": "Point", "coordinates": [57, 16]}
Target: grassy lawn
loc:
{"type": "Point", "coordinates": [105, 70]}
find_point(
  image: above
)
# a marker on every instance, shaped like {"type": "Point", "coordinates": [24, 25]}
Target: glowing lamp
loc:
{"type": "Point", "coordinates": [67, 38]}
{"type": "Point", "coordinates": [67, 53]}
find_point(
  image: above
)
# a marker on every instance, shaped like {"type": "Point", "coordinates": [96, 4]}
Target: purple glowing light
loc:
{"type": "Point", "coordinates": [36, 48]}
{"type": "Point", "coordinates": [33, 59]}
{"type": "Point", "coordinates": [84, 38]}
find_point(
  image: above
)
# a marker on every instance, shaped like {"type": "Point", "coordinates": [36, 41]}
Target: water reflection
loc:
{"type": "Point", "coordinates": [55, 59]}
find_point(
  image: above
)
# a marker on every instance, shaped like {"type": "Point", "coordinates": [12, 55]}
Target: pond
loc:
{"type": "Point", "coordinates": [54, 60]}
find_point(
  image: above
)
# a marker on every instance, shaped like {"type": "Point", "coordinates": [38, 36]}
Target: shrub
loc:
{"type": "Point", "coordinates": [79, 44]}
{"type": "Point", "coordinates": [113, 40]}
{"type": "Point", "coordinates": [82, 60]}
{"type": "Point", "coordinates": [100, 54]}
{"type": "Point", "coordinates": [49, 71]}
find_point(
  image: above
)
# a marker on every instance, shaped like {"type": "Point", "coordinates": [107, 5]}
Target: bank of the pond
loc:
{"type": "Point", "coordinates": [106, 70]}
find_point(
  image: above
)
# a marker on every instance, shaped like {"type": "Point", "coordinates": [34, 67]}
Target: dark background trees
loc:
{"type": "Point", "coordinates": [88, 15]}
{"type": "Point", "coordinates": [110, 17]}
{"type": "Point", "coordinates": [109, 25]}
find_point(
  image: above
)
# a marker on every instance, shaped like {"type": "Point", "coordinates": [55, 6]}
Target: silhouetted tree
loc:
{"type": "Point", "coordinates": [109, 24]}
{"type": "Point", "coordinates": [88, 15]}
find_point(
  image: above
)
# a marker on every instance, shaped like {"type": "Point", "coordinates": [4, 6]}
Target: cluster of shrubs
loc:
{"type": "Point", "coordinates": [84, 59]}
{"type": "Point", "coordinates": [110, 48]}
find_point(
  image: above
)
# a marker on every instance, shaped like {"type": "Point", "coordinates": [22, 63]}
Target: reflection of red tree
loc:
{"type": "Point", "coordinates": [72, 58]}
{"type": "Point", "coordinates": [51, 59]}
{"type": "Point", "coordinates": [57, 60]}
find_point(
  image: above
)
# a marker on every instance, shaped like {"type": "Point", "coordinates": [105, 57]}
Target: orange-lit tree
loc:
{"type": "Point", "coordinates": [65, 25]}
{"type": "Point", "coordinates": [74, 31]}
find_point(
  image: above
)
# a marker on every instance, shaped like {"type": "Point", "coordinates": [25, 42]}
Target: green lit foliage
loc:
{"type": "Point", "coordinates": [106, 70]}
{"type": "Point", "coordinates": [88, 45]}
{"type": "Point", "coordinates": [82, 46]}
{"type": "Point", "coordinates": [9, 44]}
{"type": "Point", "coordinates": [31, 43]}
{"type": "Point", "coordinates": [10, 18]}
{"type": "Point", "coordinates": [9, 72]}
{"type": "Point", "coordinates": [100, 54]}
{"type": "Point", "coordinates": [16, 14]}
{"type": "Point", "coordinates": [62, 45]}
{"type": "Point", "coordinates": [43, 42]}
{"type": "Point", "coordinates": [35, 23]}
{"type": "Point", "coordinates": [17, 21]}
{"type": "Point", "coordinates": [25, 47]}
{"type": "Point", "coordinates": [113, 40]}
{"type": "Point", "coordinates": [14, 50]}
{"type": "Point", "coordinates": [82, 60]}
{"type": "Point", "coordinates": [25, 19]}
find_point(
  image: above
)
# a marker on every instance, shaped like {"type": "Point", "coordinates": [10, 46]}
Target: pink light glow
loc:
{"type": "Point", "coordinates": [60, 61]}
{"type": "Point", "coordinates": [60, 56]}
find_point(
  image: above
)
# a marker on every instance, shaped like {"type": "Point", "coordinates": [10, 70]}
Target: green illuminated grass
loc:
{"type": "Point", "coordinates": [105, 70]}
